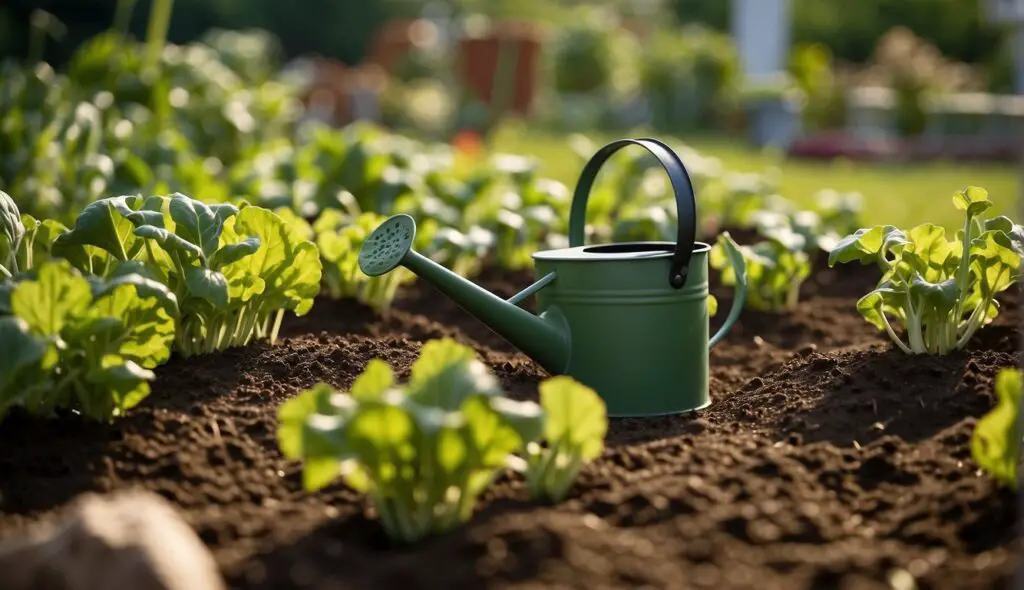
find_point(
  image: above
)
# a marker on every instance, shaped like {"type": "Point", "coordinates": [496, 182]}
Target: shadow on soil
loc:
{"type": "Point", "coordinates": [355, 552]}
{"type": "Point", "coordinates": [862, 395]}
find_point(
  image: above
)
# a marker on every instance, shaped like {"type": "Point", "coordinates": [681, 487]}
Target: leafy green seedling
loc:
{"type": "Point", "coordinates": [234, 270]}
{"type": "Point", "coordinates": [12, 231]}
{"type": "Point", "coordinates": [81, 343]}
{"type": "Point", "coordinates": [997, 437]}
{"type": "Point", "coordinates": [796, 230]}
{"type": "Point", "coordinates": [37, 244]}
{"type": "Point", "coordinates": [940, 291]}
{"type": "Point", "coordinates": [776, 268]}
{"type": "Point", "coordinates": [575, 423]}
{"type": "Point", "coordinates": [423, 451]}
{"type": "Point", "coordinates": [839, 212]}
{"type": "Point", "coordinates": [339, 238]}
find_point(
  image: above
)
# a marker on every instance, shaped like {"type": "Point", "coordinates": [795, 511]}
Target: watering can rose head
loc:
{"type": "Point", "coordinates": [629, 319]}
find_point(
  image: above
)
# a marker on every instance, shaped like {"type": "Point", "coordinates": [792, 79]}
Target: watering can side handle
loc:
{"type": "Point", "coordinates": [739, 268]}
{"type": "Point", "coordinates": [521, 296]}
{"type": "Point", "coordinates": [686, 204]}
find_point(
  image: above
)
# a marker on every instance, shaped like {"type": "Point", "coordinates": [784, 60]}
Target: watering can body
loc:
{"type": "Point", "coordinates": [637, 341]}
{"type": "Point", "coordinates": [629, 320]}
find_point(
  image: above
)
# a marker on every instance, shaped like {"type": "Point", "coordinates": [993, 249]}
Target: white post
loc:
{"type": "Point", "coordinates": [1010, 12]}
{"type": "Point", "coordinates": [760, 29]}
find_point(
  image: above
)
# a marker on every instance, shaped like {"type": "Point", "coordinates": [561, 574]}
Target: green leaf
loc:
{"type": "Point", "coordinates": [994, 262]}
{"type": "Point", "coordinates": [940, 298]}
{"type": "Point", "coordinates": [437, 354]}
{"type": "Point", "coordinates": [102, 224]}
{"type": "Point", "coordinates": [292, 416]}
{"type": "Point", "coordinates": [526, 418]}
{"type": "Point", "coordinates": [324, 446]}
{"type": "Point", "coordinates": [928, 251]}
{"type": "Point", "coordinates": [489, 437]}
{"type": "Point", "coordinates": [25, 361]}
{"type": "Point", "coordinates": [208, 285]}
{"type": "Point", "coordinates": [576, 422]}
{"type": "Point", "coordinates": [234, 252]}
{"type": "Point", "coordinates": [170, 242]}
{"type": "Point", "coordinates": [973, 200]}
{"type": "Point", "coordinates": [869, 245]}
{"type": "Point", "coordinates": [141, 277]}
{"type": "Point", "coordinates": [12, 231]}
{"type": "Point", "coordinates": [199, 223]}
{"type": "Point", "coordinates": [383, 438]}
{"type": "Point", "coordinates": [733, 253]}
{"type": "Point", "coordinates": [56, 297]}
{"type": "Point", "coordinates": [289, 266]}
{"type": "Point", "coordinates": [371, 384]}
{"type": "Point", "coordinates": [114, 387]}
{"type": "Point", "coordinates": [772, 272]}
{"type": "Point", "coordinates": [874, 305]}
{"type": "Point", "coordinates": [144, 312]}
{"type": "Point", "coordinates": [1014, 231]}
{"type": "Point", "coordinates": [37, 245]}
{"type": "Point", "coordinates": [447, 373]}
{"type": "Point", "coordinates": [576, 416]}
{"type": "Point", "coordinates": [996, 441]}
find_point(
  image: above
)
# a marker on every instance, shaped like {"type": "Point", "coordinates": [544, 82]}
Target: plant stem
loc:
{"type": "Point", "coordinates": [156, 33]}
{"type": "Point", "coordinates": [43, 24]}
{"type": "Point", "coordinates": [152, 258]}
{"type": "Point", "coordinates": [123, 15]}
{"type": "Point", "coordinates": [277, 326]}
{"type": "Point", "coordinates": [896, 339]}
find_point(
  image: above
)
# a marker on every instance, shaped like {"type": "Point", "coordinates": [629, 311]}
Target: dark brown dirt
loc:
{"type": "Point", "coordinates": [828, 460]}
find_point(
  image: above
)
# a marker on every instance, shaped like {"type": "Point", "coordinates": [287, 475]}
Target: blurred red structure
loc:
{"type": "Point", "coordinates": [478, 58]}
{"type": "Point", "coordinates": [333, 83]}
{"type": "Point", "coordinates": [396, 38]}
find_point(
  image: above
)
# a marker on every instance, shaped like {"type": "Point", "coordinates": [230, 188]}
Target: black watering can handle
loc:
{"type": "Point", "coordinates": [686, 204]}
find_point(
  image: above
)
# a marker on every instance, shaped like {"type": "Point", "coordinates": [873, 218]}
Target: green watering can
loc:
{"type": "Point", "coordinates": [628, 319]}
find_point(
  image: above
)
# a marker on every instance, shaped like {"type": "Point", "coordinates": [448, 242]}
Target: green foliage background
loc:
{"type": "Point", "coordinates": [343, 28]}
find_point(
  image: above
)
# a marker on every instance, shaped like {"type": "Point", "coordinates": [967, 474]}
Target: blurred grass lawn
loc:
{"type": "Point", "coordinates": [897, 194]}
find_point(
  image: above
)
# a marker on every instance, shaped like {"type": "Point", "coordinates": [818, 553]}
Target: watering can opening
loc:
{"type": "Point", "coordinates": [630, 248]}
{"type": "Point", "coordinates": [620, 251]}
{"type": "Point", "coordinates": [641, 248]}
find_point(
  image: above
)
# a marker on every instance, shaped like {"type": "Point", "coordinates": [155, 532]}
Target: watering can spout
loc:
{"type": "Point", "coordinates": [543, 338]}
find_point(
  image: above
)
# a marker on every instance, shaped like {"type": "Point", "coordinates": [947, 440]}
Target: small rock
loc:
{"type": "Point", "coordinates": [128, 539]}
{"type": "Point", "coordinates": [696, 426]}
{"type": "Point", "coordinates": [808, 350]}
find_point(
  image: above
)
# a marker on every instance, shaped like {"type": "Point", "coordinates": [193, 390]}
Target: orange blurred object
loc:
{"type": "Point", "coordinates": [467, 143]}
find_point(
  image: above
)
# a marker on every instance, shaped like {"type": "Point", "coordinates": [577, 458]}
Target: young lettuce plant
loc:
{"type": "Point", "coordinates": [575, 423]}
{"type": "Point", "coordinates": [234, 270]}
{"type": "Point", "coordinates": [997, 437]}
{"type": "Point", "coordinates": [776, 268]}
{"type": "Point", "coordinates": [339, 238]}
{"type": "Point", "coordinates": [423, 451]}
{"type": "Point", "coordinates": [12, 232]}
{"type": "Point", "coordinates": [24, 240]}
{"type": "Point", "coordinates": [939, 291]}
{"type": "Point", "coordinates": [79, 343]}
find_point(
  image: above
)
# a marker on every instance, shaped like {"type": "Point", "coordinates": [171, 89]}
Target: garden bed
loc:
{"type": "Point", "coordinates": [827, 460]}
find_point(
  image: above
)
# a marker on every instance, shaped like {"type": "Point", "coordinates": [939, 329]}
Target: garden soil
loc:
{"type": "Point", "coordinates": [827, 460]}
